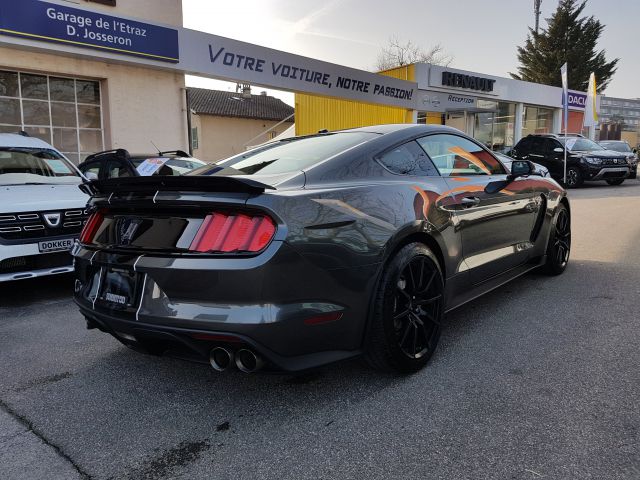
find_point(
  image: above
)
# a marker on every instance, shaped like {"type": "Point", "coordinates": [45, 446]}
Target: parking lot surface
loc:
{"type": "Point", "coordinates": [539, 379]}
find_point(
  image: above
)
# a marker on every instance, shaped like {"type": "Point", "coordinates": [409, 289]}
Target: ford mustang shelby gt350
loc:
{"type": "Point", "coordinates": [315, 249]}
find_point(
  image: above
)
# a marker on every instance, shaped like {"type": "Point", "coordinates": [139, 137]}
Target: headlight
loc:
{"type": "Point", "coordinates": [593, 160]}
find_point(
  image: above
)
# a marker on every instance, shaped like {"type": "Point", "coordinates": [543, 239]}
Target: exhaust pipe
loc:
{"type": "Point", "coordinates": [220, 359]}
{"type": "Point", "coordinates": [248, 362]}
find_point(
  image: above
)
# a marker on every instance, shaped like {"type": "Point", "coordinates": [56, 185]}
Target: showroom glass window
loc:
{"type": "Point", "coordinates": [536, 120]}
{"type": "Point", "coordinates": [494, 128]}
{"type": "Point", "coordinates": [65, 112]}
{"type": "Point", "coordinates": [456, 156]}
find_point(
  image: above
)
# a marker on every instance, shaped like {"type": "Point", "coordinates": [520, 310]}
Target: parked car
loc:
{"type": "Point", "coordinates": [507, 161]}
{"type": "Point", "coordinates": [120, 163]}
{"type": "Point", "coordinates": [312, 251]}
{"type": "Point", "coordinates": [623, 147]}
{"type": "Point", "coordinates": [42, 210]}
{"type": "Point", "coordinates": [586, 160]}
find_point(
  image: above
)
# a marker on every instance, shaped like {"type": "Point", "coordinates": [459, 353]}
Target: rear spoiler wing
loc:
{"type": "Point", "coordinates": [182, 183]}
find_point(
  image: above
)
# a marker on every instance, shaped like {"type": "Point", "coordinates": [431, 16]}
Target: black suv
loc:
{"type": "Point", "coordinates": [120, 163]}
{"type": "Point", "coordinates": [586, 160]}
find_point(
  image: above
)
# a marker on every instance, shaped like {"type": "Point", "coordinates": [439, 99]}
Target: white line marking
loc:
{"type": "Point", "coordinates": [136, 262]}
{"type": "Point", "coordinates": [93, 305]}
{"type": "Point", "coordinates": [144, 284]}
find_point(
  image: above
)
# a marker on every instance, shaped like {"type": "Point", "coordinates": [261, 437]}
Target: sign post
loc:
{"type": "Point", "coordinates": [565, 109]}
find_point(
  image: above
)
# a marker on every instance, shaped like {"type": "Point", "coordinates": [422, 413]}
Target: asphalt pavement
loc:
{"type": "Point", "coordinates": [538, 380]}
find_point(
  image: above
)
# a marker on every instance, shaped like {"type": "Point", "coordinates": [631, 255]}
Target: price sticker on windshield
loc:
{"type": "Point", "coordinates": [150, 166]}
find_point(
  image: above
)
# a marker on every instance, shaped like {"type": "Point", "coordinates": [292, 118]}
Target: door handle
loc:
{"type": "Point", "coordinates": [468, 202]}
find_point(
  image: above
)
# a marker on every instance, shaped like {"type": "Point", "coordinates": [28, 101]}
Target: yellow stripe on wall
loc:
{"type": "Point", "coordinates": [314, 113]}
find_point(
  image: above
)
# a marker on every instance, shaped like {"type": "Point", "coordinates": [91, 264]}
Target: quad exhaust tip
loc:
{"type": "Point", "coordinates": [220, 359]}
{"type": "Point", "coordinates": [247, 361]}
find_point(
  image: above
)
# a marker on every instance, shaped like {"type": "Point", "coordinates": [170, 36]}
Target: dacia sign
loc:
{"type": "Point", "coordinates": [51, 22]}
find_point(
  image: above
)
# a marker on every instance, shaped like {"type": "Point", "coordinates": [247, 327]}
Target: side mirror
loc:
{"type": "Point", "coordinates": [558, 150]}
{"type": "Point", "coordinates": [521, 168]}
{"type": "Point", "coordinates": [635, 150]}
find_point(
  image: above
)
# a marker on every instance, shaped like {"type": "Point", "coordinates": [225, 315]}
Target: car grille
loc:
{"type": "Point", "coordinates": [33, 225]}
{"type": "Point", "coordinates": [35, 262]}
{"type": "Point", "coordinates": [616, 162]}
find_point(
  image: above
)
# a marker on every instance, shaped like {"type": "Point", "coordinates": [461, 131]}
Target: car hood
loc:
{"type": "Point", "coordinates": [30, 198]}
{"type": "Point", "coordinates": [600, 153]}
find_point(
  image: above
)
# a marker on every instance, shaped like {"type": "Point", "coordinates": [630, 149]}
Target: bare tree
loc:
{"type": "Point", "coordinates": [398, 53]}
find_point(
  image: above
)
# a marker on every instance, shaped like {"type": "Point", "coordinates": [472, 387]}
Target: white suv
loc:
{"type": "Point", "coordinates": [42, 210]}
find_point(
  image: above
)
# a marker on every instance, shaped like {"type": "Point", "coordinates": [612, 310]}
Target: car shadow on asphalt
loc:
{"type": "Point", "coordinates": [23, 293]}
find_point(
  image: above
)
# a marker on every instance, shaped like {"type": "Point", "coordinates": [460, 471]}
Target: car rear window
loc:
{"type": "Point", "coordinates": [285, 157]}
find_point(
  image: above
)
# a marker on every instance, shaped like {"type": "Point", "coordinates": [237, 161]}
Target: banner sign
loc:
{"type": "Point", "coordinates": [219, 57]}
{"type": "Point", "coordinates": [51, 22]}
{"type": "Point", "coordinates": [65, 30]}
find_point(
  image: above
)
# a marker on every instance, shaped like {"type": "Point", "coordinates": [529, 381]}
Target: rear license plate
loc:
{"type": "Point", "coordinates": [55, 245]}
{"type": "Point", "coordinates": [119, 288]}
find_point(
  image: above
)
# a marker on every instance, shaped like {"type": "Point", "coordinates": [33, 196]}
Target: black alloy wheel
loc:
{"type": "Point", "coordinates": [617, 181]}
{"type": "Point", "coordinates": [559, 246]}
{"type": "Point", "coordinates": [408, 311]}
{"type": "Point", "coordinates": [574, 177]}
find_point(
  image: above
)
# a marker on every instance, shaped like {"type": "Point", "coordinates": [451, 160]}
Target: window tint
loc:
{"type": "Point", "coordinates": [116, 169]}
{"type": "Point", "coordinates": [20, 165]}
{"type": "Point", "coordinates": [538, 145]}
{"type": "Point", "coordinates": [408, 159]}
{"type": "Point", "coordinates": [457, 156]}
{"type": "Point", "coordinates": [578, 144]}
{"type": "Point", "coordinates": [524, 146]}
{"type": "Point", "coordinates": [285, 157]}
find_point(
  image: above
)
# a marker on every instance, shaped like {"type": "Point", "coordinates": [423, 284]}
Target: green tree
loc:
{"type": "Point", "coordinates": [569, 37]}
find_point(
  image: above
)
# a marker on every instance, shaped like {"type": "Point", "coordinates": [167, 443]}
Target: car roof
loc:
{"type": "Point", "coordinates": [409, 128]}
{"type": "Point", "coordinates": [21, 141]}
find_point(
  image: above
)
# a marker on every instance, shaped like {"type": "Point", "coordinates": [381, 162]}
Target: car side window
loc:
{"type": "Point", "coordinates": [538, 145]}
{"type": "Point", "coordinates": [93, 168]}
{"type": "Point", "coordinates": [116, 168]}
{"type": "Point", "coordinates": [408, 159]}
{"type": "Point", "coordinates": [523, 146]}
{"type": "Point", "coordinates": [457, 156]}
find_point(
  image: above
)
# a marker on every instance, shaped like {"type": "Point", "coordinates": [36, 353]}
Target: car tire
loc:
{"type": "Point", "coordinates": [617, 181]}
{"type": "Point", "coordinates": [574, 177]}
{"type": "Point", "coordinates": [407, 314]}
{"type": "Point", "coordinates": [559, 246]}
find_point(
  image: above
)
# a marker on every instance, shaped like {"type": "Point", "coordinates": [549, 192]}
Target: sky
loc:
{"type": "Point", "coordinates": [481, 36]}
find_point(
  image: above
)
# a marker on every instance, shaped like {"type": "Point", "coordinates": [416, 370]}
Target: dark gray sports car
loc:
{"type": "Point", "coordinates": [315, 249]}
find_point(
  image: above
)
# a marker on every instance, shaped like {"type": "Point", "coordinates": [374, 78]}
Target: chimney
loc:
{"type": "Point", "coordinates": [263, 93]}
{"type": "Point", "coordinates": [246, 90]}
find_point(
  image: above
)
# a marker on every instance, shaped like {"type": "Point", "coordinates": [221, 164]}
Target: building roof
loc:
{"type": "Point", "coordinates": [231, 104]}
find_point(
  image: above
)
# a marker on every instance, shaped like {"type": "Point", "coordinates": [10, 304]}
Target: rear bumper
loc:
{"type": "Point", "coordinates": [278, 303]}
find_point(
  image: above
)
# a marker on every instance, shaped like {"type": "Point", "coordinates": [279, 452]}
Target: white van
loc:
{"type": "Point", "coordinates": [42, 210]}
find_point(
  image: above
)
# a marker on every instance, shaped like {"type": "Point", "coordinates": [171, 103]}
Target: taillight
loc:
{"type": "Point", "coordinates": [238, 232]}
{"type": "Point", "coordinates": [91, 227]}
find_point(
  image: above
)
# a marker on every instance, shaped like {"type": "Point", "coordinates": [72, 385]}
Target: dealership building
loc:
{"type": "Point", "coordinates": [496, 111]}
{"type": "Point", "coordinates": [93, 75]}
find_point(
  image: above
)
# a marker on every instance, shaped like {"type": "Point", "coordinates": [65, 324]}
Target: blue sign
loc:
{"type": "Point", "coordinates": [51, 22]}
{"type": "Point", "coordinates": [577, 100]}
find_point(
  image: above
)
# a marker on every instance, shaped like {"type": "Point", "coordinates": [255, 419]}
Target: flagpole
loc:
{"type": "Point", "coordinates": [565, 116]}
